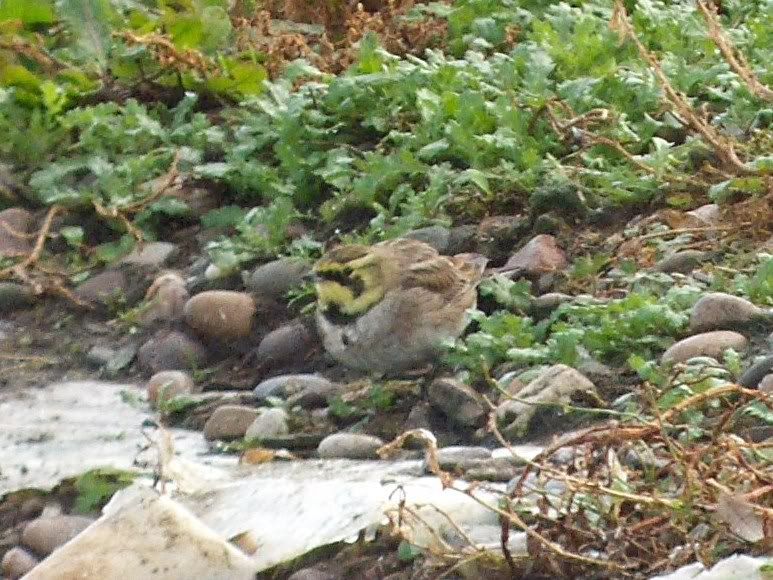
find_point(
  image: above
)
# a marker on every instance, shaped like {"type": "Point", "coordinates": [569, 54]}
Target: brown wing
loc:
{"type": "Point", "coordinates": [438, 275]}
{"type": "Point", "coordinates": [406, 252]}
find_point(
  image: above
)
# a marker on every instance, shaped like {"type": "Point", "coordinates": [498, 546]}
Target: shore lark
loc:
{"type": "Point", "coordinates": [386, 308]}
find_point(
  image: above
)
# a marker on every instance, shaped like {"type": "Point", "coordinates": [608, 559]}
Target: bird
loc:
{"type": "Point", "coordinates": [387, 308]}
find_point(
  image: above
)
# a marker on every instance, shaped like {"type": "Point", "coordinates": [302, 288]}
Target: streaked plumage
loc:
{"type": "Point", "coordinates": [386, 308]}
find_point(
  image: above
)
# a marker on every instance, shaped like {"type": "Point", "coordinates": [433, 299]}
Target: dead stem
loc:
{"type": "Point", "coordinates": [732, 55]}
{"type": "Point", "coordinates": [722, 146]}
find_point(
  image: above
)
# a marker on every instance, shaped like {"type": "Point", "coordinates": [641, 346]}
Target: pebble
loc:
{"type": "Point", "coordinates": [270, 422]}
{"type": "Point", "coordinates": [293, 384]}
{"type": "Point", "coordinates": [500, 470]}
{"type": "Point", "coordinates": [438, 237]}
{"type": "Point", "coordinates": [540, 255]}
{"type": "Point", "coordinates": [459, 402]}
{"type": "Point", "coordinates": [766, 384]}
{"type": "Point", "coordinates": [496, 235]}
{"type": "Point", "coordinates": [461, 457]}
{"type": "Point", "coordinates": [171, 350]}
{"type": "Point", "coordinates": [15, 296]}
{"type": "Point", "coordinates": [720, 311]}
{"type": "Point", "coordinates": [462, 239]}
{"type": "Point", "coordinates": [752, 376]}
{"type": "Point", "coordinates": [289, 344]}
{"type": "Point", "coordinates": [553, 386]}
{"type": "Point", "coordinates": [314, 396]}
{"type": "Point", "coordinates": [682, 262]}
{"type": "Point", "coordinates": [545, 304]}
{"type": "Point", "coordinates": [17, 562]}
{"type": "Point", "coordinates": [166, 299]}
{"type": "Point", "coordinates": [349, 446]}
{"type": "Point", "coordinates": [44, 535]}
{"type": "Point", "coordinates": [168, 384]}
{"type": "Point", "coordinates": [152, 254]}
{"type": "Point", "coordinates": [711, 344]}
{"type": "Point", "coordinates": [229, 422]}
{"type": "Point", "coordinates": [709, 214]}
{"type": "Point", "coordinates": [220, 314]}
{"type": "Point", "coordinates": [104, 288]}
{"type": "Point", "coordinates": [275, 279]}
{"type": "Point", "coordinates": [11, 243]}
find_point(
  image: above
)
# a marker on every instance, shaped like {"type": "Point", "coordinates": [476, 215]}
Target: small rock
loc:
{"type": "Point", "coordinates": [220, 314]}
{"type": "Point", "coordinates": [275, 279]}
{"type": "Point", "coordinates": [543, 305]}
{"type": "Point", "coordinates": [269, 423]}
{"type": "Point", "coordinates": [349, 446]}
{"type": "Point", "coordinates": [419, 417]}
{"type": "Point", "coordinates": [108, 287]}
{"type": "Point", "coordinates": [113, 360]}
{"type": "Point", "coordinates": [436, 236]}
{"type": "Point", "coordinates": [166, 299]}
{"type": "Point", "coordinates": [462, 239]}
{"type": "Point", "coordinates": [314, 395]}
{"type": "Point", "coordinates": [32, 508]}
{"type": "Point", "coordinates": [122, 358]}
{"type": "Point", "coordinates": [712, 344]}
{"type": "Point", "coordinates": [766, 384]}
{"type": "Point", "coordinates": [98, 355]}
{"type": "Point", "coordinates": [496, 236]}
{"type": "Point", "coordinates": [459, 402]}
{"type": "Point", "coordinates": [46, 534]}
{"type": "Point", "coordinates": [17, 562]}
{"type": "Point", "coordinates": [553, 386]}
{"type": "Point", "coordinates": [168, 384]}
{"type": "Point", "coordinates": [540, 255]}
{"type": "Point", "coordinates": [288, 385]}
{"type": "Point", "coordinates": [752, 377]}
{"type": "Point", "coordinates": [15, 225]}
{"type": "Point", "coordinates": [719, 311]}
{"type": "Point", "coordinates": [286, 345]}
{"type": "Point", "coordinates": [171, 350]}
{"type": "Point", "coordinates": [152, 254]}
{"type": "Point", "coordinates": [15, 296]}
{"type": "Point", "coordinates": [311, 574]}
{"type": "Point", "coordinates": [708, 214]}
{"type": "Point", "coordinates": [682, 262]}
{"type": "Point", "coordinates": [500, 470]}
{"type": "Point", "coordinates": [229, 422]}
{"type": "Point", "coordinates": [461, 457]}
{"type": "Point", "coordinates": [595, 371]}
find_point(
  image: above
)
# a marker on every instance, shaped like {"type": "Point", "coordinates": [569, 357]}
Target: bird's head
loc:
{"type": "Point", "coordinates": [350, 280]}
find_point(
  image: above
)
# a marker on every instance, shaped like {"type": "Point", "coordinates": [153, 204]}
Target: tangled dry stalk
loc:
{"type": "Point", "coordinates": [637, 497]}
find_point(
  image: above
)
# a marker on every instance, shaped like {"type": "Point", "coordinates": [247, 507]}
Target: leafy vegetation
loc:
{"type": "Point", "coordinates": [528, 97]}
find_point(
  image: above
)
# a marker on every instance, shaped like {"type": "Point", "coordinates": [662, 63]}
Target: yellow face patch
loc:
{"type": "Point", "coordinates": [329, 293]}
{"type": "Point", "coordinates": [335, 296]}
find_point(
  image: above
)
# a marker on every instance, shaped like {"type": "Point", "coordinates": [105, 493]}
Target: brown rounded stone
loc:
{"type": "Point", "coordinates": [220, 314]}
{"type": "Point", "coordinates": [712, 344]}
{"type": "Point", "coordinates": [229, 422]}
{"type": "Point", "coordinates": [17, 562]}
{"type": "Point", "coordinates": [167, 384]}
{"type": "Point", "coordinates": [46, 534]}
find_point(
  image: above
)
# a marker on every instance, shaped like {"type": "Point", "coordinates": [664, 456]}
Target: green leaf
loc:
{"type": "Point", "coordinates": [186, 32]}
{"type": "Point", "coordinates": [223, 217]}
{"type": "Point", "coordinates": [73, 235]}
{"type": "Point", "coordinates": [89, 21]}
{"type": "Point", "coordinates": [28, 11]}
{"type": "Point", "coordinates": [97, 486]}
{"type": "Point", "coordinates": [217, 28]}
{"type": "Point", "coordinates": [109, 252]}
